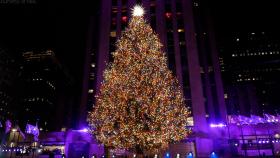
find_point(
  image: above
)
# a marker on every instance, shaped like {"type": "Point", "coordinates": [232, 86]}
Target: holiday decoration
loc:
{"type": "Point", "coordinates": [140, 106]}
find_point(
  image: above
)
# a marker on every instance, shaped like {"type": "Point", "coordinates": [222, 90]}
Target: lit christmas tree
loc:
{"type": "Point", "coordinates": [140, 106]}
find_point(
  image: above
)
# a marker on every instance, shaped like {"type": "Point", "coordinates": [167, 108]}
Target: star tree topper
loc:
{"type": "Point", "coordinates": [137, 10]}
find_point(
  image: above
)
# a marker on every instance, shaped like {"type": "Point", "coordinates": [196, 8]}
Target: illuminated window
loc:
{"type": "Point", "coordinates": [168, 15]}
{"type": "Point", "coordinates": [190, 121]}
{"type": "Point", "coordinates": [182, 43]}
{"type": "Point", "coordinates": [210, 69]}
{"type": "Point", "coordinates": [181, 30]}
{"type": "Point", "coordinates": [225, 95]}
{"type": "Point", "coordinates": [91, 74]}
{"type": "Point", "coordinates": [92, 65]}
{"type": "Point", "coordinates": [124, 19]}
{"type": "Point", "coordinates": [90, 91]}
{"type": "Point", "coordinates": [201, 70]}
{"type": "Point", "coordinates": [113, 34]}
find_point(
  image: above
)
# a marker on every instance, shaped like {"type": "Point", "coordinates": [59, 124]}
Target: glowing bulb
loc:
{"type": "Point", "coordinates": [137, 11]}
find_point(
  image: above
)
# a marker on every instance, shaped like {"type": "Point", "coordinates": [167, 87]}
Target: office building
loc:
{"type": "Point", "coordinates": [42, 81]}
{"type": "Point", "coordinates": [250, 64]}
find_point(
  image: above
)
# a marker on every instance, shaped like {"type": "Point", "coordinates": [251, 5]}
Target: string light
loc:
{"type": "Point", "coordinates": [140, 105]}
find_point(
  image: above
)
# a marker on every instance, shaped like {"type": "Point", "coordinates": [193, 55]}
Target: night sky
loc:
{"type": "Point", "coordinates": [62, 26]}
{"type": "Point", "coordinates": [59, 26]}
{"type": "Point", "coordinates": [233, 16]}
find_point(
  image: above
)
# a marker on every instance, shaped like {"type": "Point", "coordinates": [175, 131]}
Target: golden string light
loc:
{"type": "Point", "coordinates": [140, 105]}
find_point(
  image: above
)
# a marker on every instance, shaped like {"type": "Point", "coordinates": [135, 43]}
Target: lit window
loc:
{"type": "Point", "coordinates": [190, 121]}
{"type": "Point", "coordinates": [92, 65]}
{"type": "Point", "coordinates": [168, 15]}
{"type": "Point", "coordinates": [182, 43]}
{"type": "Point", "coordinates": [113, 34]}
{"type": "Point", "coordinates": [91, 74]}
{"type": "Point", "coordinates": [201, 70]}
{"type": "Point", "coordinates": [210, 69]}
{"type": "Point", "coordinates": [90, 91]}
{"type": "Point", "coordinates": [225, 96]}
{"type": "Point", "coordinates": [181, 30]}
{"type": "Point", "coordinates": [237, 39]}
{"type": "Point", "coordinates": [124, 19]}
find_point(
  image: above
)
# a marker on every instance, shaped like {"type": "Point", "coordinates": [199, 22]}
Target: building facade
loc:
{"type": "Point", "coordinates": [41, 81]}
{"type": "Point", "coordinates": [8, 74]}
{"type": "Point", "coordinates": [250, 67]}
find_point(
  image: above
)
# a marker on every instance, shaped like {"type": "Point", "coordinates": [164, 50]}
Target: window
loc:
{"type": "Point", "coordinates": [90, 91]}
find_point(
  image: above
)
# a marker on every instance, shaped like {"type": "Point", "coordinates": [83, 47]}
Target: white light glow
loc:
{"type": "Point", "coordinates": [137, 11]}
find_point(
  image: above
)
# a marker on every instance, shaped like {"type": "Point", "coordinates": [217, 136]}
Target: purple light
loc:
{"type": "Point", "coordinates": [220, 125]}
{"type": "Point", "coordinates": [260, 142]}
{"type": "Point", "coordinates": [85, 130]}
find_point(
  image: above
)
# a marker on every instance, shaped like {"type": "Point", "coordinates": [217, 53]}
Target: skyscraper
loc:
{"type": "Point", "coordinates": [251, 64]}
{"type": "Point", "coordinates": [190, 48]}
{"type": "Point", "coordinates": [41, 79]}
{"type": "Point", "coordinates": [8, 74]}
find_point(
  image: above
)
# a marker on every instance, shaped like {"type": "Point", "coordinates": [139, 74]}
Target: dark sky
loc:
{"type": "Point", "coordinates": [62, 25]}
{"type": "Point", "coordinates": [245, 16]}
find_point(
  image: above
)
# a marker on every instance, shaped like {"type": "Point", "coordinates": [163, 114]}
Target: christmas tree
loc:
{"type": "Point", "coordinates": [140, 106]}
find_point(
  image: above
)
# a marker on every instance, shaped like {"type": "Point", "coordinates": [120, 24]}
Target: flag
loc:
{"type": "Point", "coordinates": [31, 129]}
{"type": "Point", "coordinates": [8, 126]}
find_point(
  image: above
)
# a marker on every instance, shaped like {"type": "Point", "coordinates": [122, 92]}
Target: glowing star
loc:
{"type": "Point", "coordinates": [137, 11]}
